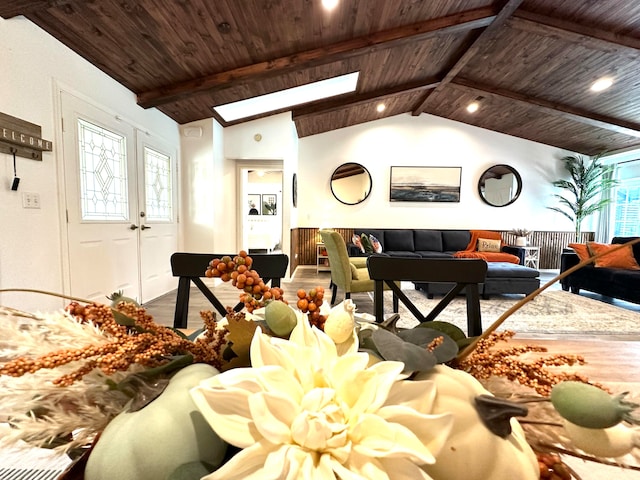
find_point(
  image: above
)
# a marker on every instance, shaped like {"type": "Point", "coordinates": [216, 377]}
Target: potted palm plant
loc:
{"type": "Point", "coordinates": [583, 196]}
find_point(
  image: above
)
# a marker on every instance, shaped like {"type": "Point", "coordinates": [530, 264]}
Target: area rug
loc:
{"type": "Point", "coordinates": [556, 312]}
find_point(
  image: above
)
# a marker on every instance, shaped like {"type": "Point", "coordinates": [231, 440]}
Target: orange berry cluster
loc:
{"type": "Point", "coordinates": [487, 361]}
{"type": "Point", "coordinates": [309, 303]}
{"type": "Point", "coordinates": [552, 468]}
{"type": "Point", "coordinates": [238, 270]}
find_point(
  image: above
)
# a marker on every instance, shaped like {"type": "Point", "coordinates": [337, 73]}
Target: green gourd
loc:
{"type": "Point", "coordinates": [591, 407]}
{"type": "Point", "coordinates": [151, 443]}
{"type": "Point", "coordinates": [280, 318]}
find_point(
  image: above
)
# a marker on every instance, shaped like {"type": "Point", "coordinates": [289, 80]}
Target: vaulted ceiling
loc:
{"type": "Point", "coordinates": [529, 62]}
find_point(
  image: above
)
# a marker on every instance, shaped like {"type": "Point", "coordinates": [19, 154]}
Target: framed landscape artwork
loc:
{"type": "Point", "coordinates": [425, 184]}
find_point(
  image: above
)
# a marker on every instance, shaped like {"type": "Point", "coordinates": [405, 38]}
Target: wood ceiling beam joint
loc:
{"type": "Point", "coordinates": [486, 34]}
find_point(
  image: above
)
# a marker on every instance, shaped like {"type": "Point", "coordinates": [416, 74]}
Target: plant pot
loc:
{"type": "Point", "coordinates": [521, 241]}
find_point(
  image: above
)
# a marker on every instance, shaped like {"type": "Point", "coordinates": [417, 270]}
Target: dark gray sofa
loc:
{"type": "Point", "coordinates": [617, 283]}
{"type": "Point", "coordinates": [501, 277]}
{"type": "Point", "coordinates": [425, 243]}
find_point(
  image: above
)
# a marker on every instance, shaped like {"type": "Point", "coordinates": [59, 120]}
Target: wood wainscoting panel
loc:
{"type": "Point", "coordinates": [551, 245]}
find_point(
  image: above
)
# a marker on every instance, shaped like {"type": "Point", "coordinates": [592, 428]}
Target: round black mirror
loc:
{"type": "Point", "coordinates": [351, 183]}
{"type": "Point", "coordinates": [500, 185]}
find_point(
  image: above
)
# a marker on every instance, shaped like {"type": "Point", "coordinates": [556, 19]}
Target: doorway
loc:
{"type": "Point", "coordinates": [261, 206]}
{"type": "Point", "coordinates": [121, 204]}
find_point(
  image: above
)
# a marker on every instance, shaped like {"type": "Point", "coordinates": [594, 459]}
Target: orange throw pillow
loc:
{"type": "Point", "coordinates": [622, 258]}
{"type": "Point", "coordinates": [581, 250]}
{"type": "Point", "coordinates": [477, 234]}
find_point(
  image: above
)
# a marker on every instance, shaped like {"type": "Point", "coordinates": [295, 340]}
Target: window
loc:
{"type": "Point", "coordinates": [288, 97]}
{"type": "Point", "coordinates": [626, 201]}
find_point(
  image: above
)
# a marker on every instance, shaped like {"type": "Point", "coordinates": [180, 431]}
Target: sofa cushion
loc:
{"type": "Point", "coordinates": [354, 271]}
{"type": "Point", "coordinates": [376, 232]}
{"type": "Point", "coordinates": [488, 245]}
{"type": "Point", "coordinates": [432, 254]}
{"type": "Point", "coordinates": [510, 270]}
{"type": "Point", "coordinates": [375, 243]}
{"type": "Point", "coordinates": [581, 250]}
{"type": "Point", "coordinates": [636, 247]}
{"type": "Point", "coordinates": [366, 243]}
{"type": "Point", "coordinates": [455, 240]}
{"type": "Point", "coordinates": [400, 240]}
{"type": "Point", "coordinates": [622, 258]}
{"type": "Point", "coordinates": [427, 240]}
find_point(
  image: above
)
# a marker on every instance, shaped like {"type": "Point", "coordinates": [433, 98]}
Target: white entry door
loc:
{"type": "Point", "coordinates": [121, 208]}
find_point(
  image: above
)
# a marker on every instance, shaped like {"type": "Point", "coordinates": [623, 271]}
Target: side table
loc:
{"type": "Point", "coordinates": [531, 257]}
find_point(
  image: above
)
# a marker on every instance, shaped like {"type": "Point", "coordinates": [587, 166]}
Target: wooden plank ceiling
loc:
{"type": "Point", "coordinates": [530, 62]}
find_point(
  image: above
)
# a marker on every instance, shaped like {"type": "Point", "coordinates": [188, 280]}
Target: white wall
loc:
{"type": "Point", "coordinates": [197, 178]}
{"type": "Point", "coordinates": [34, 67]}
{"type": "Point", "coordinates": [214, 196]}
{"type": "Point", "coordinates": [277, 141]}
{"type": "Point", "coordinates": [427, 140]}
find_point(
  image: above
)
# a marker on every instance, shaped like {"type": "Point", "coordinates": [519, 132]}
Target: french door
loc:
{"type": "Point", "coordinates": [121, 205]}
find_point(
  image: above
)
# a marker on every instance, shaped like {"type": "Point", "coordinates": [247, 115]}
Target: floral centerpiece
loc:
{"type": "Point", "coordinates": [305, 392]}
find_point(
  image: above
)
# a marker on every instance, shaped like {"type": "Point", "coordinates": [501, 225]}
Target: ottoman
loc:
{"type": "Point", "coordinates": [502, 277]}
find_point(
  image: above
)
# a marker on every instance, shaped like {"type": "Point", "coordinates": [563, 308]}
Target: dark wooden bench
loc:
{"type": "Point", "coordinates": [191, 267]}
{"type": "Point", "coordinates": [463, 273]}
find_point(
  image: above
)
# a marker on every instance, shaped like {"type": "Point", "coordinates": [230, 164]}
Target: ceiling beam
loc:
{"type": "Point", "coordinates": [487, 33]}
{"type": "Point", "coordinates": [553, 108]}
{"type": "Point", "coordinates": [572, 32]}
{"type": "Point", "coordinates": [25, 7]}
{"type": "Point", "coordinates": [351, 100]}
{"type": "Point", "coordinates": [336, 52]}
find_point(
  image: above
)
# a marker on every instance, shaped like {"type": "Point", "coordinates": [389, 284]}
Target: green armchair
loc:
{"type": "Point", "coordinates": [349, 274]}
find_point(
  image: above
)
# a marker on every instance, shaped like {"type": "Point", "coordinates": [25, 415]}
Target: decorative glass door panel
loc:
{"type": "Point", "coordinates": [103, 173]}
{"type": "Point", "coordinates": [158, 186]}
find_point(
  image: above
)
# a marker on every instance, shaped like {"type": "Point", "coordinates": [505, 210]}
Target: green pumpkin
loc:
{"type": "Point", "coordinates": [151, 443]}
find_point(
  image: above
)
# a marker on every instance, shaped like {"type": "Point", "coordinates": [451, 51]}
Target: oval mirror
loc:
{"type": "Point", "coordinates": [500, 185]}
{"type": "Point", "coordinates": [351, 183]}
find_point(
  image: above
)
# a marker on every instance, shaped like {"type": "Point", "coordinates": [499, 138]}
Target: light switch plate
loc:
{"type": "Point", "coordinates": [30, 200]}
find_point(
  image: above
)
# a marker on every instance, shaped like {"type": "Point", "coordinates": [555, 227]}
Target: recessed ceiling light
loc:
{"type": "Point", "coordinates": [289, 97]}
{"type": "Point", "coordinates": [601, 84]}
{"type": "Point", "coordinates": [329, 4]}
{"type": "Point", "coordinates": [381, 107]}
{"type": "Point", "coordinates": [473, 107]}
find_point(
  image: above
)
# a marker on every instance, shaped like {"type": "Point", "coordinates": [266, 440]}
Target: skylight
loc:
{"type": "Point", "coordinates": [287, 98]}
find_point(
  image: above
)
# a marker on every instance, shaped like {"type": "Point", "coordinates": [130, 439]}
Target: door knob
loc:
{"type": "Point", "coordinates": [144, 227]}
{"type": "Point", "coordinates": [133, 226]}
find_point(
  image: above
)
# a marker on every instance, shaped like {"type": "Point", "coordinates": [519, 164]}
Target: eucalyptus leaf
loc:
{"type": "Point", "coordinates": [392, 347]}
{"type": "Point", "coordinates": [455, 332]}
{"type": "Point", "coordinates": [422, 337]}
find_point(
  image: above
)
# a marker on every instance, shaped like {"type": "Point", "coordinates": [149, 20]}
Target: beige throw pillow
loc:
{"type": "Point", "coordinates": [487, 245]}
